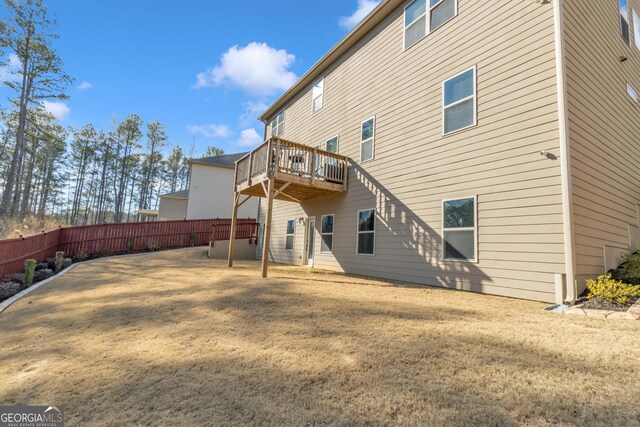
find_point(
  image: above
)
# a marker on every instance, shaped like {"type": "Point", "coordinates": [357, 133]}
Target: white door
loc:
{"type": "Point", "coordinates": [310, 243]}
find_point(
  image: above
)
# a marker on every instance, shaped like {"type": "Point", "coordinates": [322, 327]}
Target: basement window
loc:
{"type": "Point", "coordinates": [366, 232]}
{"type": "Point", "coordinates": [459, 226]}
{"type": "Point", "coordinates": [290, 235]}
{"type": "Point", "coordinates": [326, 233]}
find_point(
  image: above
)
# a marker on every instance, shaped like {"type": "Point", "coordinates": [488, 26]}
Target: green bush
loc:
{"type": "Point", "coordinates": [131, 244]}
{"type": "Point", "coordinates": [59, 261]}
{"type": "Point", "coordinates": [193, 238]}
{"type": "Point", "coordinates": [614, 291]}
{"type": "Point", "coordinates": [29, 271]}
{"type": "Point", "coordinates": [153, 245]}
{"type": "Point", "coordinates": [82, 255]}
{"type": "Point", "coordinates": [629, 270]}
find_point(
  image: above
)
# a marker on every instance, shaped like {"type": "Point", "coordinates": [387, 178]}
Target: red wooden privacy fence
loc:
{"type": "Point", "coordinates": [118, 239]}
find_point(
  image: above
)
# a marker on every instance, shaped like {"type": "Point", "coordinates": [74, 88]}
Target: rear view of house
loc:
{"type": "Point", "coordinates": [482, 146]}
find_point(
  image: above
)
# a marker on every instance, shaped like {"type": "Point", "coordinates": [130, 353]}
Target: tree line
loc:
{"type": "Point", "coordinates": [79, 175]}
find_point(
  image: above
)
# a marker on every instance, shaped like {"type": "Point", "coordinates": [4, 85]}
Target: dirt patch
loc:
{"type": "Point", "coordinates": [172, 338]}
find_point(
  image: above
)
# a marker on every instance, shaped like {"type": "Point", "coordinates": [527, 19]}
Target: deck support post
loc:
{"type": "Point", "coordinates": [267, 226]}
{"type": "Point", "coordinates": [234, 225]}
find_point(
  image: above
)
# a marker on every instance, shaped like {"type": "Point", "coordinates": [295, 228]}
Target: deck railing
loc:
{"type": "Point", "coordinates": [294, 159]}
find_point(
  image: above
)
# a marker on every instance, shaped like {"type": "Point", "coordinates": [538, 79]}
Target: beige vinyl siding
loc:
{"type": "Point", "coordinates": [520, 230]}
{"type": "Point", "coordinates": [604, 125]}
{"type": "Point", "coordinates": [211, 194]}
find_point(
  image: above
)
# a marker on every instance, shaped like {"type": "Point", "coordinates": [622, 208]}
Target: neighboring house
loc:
{"type": "Point", "coordinates": [210, 193]}
{"type": "Point", "coordinates": [173, 206]}
{"type": "Point", "coordinates": [211, 188]}
{"type": "Point", "coordinates": [492, 147]}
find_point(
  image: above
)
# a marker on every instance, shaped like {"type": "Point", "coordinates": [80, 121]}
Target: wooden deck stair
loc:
{"type": "Point", "coordinates": [285, 170]}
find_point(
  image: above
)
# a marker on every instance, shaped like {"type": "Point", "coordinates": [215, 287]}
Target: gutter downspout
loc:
{"type": "Point", "coordinates": [565, 156]}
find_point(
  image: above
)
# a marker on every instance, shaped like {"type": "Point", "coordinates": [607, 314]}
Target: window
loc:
{"type": "Point", "coordinates": [318, 95]}
{"type": "Point", "coordinates": [332, 145]}
{"type": "Point", "coordinates": [326, 233]}
{"type": "Point", "coordinates": [459, 102]}
{"type": "Point", "coordinates": [291, 232]}
{"type": "Point", "coordinates": [459, 229]}
{"type": "Point", "coordinates": [624, 20]}
{"type": "Point", "coordinates": [420, 20]}
{"type": "Point", "coordinates": [632, 93]}
{"type": "Point", "coordinates": [366, 231]}
{"type": "Point", "coordinates": [636, 29]}
{"type": "Point", "coordinates": [367, 137]}
{"type": "Point", "coordinates": [277, 124]}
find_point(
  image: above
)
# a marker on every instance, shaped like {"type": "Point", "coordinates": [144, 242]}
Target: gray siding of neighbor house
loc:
{"type": "Point", "coordinates": [172, 209]}
{"type": "Point", "coordinates": [520, 228]}
{"type": "Point", "coordinates": [211, 194]}
{"type": "Point", "coordinates": [604, 126]}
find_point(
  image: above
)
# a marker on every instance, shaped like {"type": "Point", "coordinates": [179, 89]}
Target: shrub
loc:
{"type": "Point", "coordinates": [81, 255]}
{"type": "Point", "coordinates": [614, 291]}
{"type": "Point", "coordinates": [29, 271]}
{"type": "Point", "coordinates": [153, 245]}
{"type": "Point", "coordinates": [629, 270]}
{"type": "Point", "coordinates": [105, 253]}
{"type": "Point", "coordinates": [59, 260]}
{"type": "Point", "coordinates": [131, 244]}
{"type": "Point", "coordinates": [192, 238]}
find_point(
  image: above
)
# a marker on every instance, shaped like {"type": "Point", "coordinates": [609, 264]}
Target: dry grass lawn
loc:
{"type": "Point", "coordinates": [175, 339]}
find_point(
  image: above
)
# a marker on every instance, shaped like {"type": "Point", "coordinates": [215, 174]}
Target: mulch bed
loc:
{"type": "Point", "coordinates": [598, 304]}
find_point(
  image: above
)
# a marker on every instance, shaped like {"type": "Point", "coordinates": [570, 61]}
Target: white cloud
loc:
{"type": "Point", "coordinates": [8, 71]}
{"type": "Point", "coordinates": [256, 68]}
{"type": "Point", "coordinates": [251, 112]}
{"type": "Point", "coordinates": [364, 7]}
{"type": "Point", "coordinates": [59, 110]}
{"type": "Point", "coordinates": [249, 138]}
{"type": "Point", "coordinates": [85, 85]}
{"type": "Point", "coordinates": [210, 131]}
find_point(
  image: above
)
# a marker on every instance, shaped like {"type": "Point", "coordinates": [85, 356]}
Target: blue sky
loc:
{"type": "Point", "coordinates": [204, 68]}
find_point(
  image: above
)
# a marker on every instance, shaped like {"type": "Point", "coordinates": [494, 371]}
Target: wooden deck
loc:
{"type": "Point", "coordinates": [285, 170]}
{"type": "Point", "coordinates": [300, 172]}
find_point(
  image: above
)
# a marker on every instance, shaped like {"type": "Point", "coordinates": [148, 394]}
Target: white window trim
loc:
{"type": "Point", "coordinates": [475, 229]}
{"type": "Point", "coordinates": [281, 123]}
{"type": "Point", "coordinates": [428, 30]}
{"type": "Point", "coordinates": [474, 97]}
{"type": "Point", "coordinates": [295, 226]}
{"type": "Point", "coordinates": [313, 99]}
{"type": "Point", "coordinates": [358, 232]}
{"type": "Point", "coordinates": [327, 234]}
{"type": "Point", "coordinates": [373, 140]}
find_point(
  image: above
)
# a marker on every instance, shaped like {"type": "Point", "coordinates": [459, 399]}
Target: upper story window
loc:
{"type": "Point", "coordinates": [624, 20]}
{"type": "Point", "coordinates": [460, 102]}
{"type": "Point", "coordinates": [318, 95]}
{"type": "Point", "coordinates": [277, 124]}
{"type": "Point", "coordinates": [367, 139]}
{"type": "Point", "coordinates": [424, 16]}
{"type": "Point", "coordinates": [636, 29]}
{"type": "Point", "coordinates": [332, 145]}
